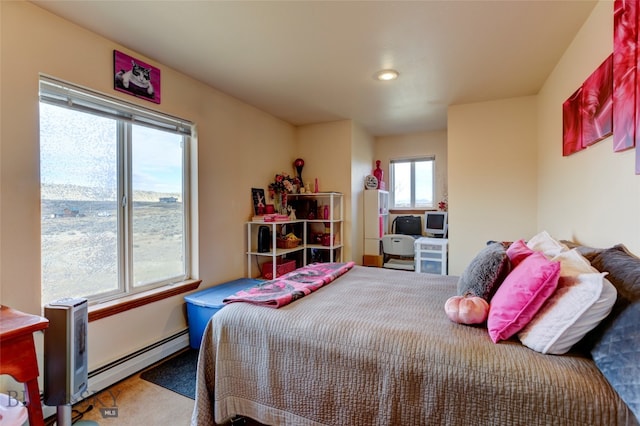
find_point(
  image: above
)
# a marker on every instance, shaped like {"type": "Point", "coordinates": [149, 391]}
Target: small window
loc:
{"type": "Point", "coordinates": [412, 183]}
{"type": "Point", "coordinates": [114, 195]}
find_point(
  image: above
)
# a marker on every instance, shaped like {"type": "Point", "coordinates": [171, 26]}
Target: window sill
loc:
{"type": "Point", "coordinates": [113, 307]}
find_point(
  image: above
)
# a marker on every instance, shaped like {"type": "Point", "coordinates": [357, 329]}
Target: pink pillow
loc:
{"type": "Point", "coordinates": [517, 252]}
{"type": "Point", "coordinates": [521, 295]}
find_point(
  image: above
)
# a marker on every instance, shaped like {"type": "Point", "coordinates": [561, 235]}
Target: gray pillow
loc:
{"type": "Point", "coordinates": [624, 273]}
{"type": "Point", "coordinates": [617, 355]}
{"type": "Point", "coordinates": [588, 252]}
{"type": "Point", "coordinates": [485, 273]}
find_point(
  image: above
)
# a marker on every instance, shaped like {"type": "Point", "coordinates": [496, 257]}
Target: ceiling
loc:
{"type": "Point", "coordinates": [313, 61]}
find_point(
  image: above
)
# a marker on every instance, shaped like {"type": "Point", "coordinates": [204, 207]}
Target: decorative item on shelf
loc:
{"type": "Point", "coordinates": [443, 205]}
{"type": "Point", "coordinates": [282, 185]}
{"type": "Point", "coordinates": [277, 202]}
{"type": "Point", "coordinates": [292, 212]}
{"type": "Point", "coordinates": [257, 194]}
{"type": "Point", "coordinates": [379, 174]}
{"type": "Point", "coordinates": [313, 207]}
{"type": "Point", "coordinates": [288, 241]}
{"type": "Point", "coordinates": [299, 164]}
{"type": "Point", "coordinates": [370, 182]}
{"type": "Point", "coordinates": [316, 189]}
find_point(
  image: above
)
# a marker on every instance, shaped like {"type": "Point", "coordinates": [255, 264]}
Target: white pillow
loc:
{"type": "Point", "coordinates": [546, 244]}
{"type": "Point", "coordinates": [582, 299]}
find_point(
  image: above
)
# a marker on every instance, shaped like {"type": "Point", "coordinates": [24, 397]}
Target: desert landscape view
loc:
{"type": "Point", "coordinates": [80, 247]}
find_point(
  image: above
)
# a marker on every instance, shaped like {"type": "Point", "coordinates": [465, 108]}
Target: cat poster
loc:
{"type": "Point", "coordinates": [135, 77]}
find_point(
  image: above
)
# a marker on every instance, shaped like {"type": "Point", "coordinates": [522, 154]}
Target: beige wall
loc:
{"type": "Point", "coordinates": [238, 147]}
{"type": "Point", "coordinates": [592, 196]}
{"type": "Point", "coordinates": [396, 147]}
{"type": "Point", "coordinates": [492, 175]}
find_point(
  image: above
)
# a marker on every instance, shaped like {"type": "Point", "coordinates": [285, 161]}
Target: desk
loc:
{"type": "Point", "coordinates": [18, 355]}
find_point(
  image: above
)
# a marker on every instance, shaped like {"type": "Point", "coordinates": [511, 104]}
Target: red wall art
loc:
{"type": "Point", "coordinates": [625, 41]}
{"type": "Point", "coordinates": [587, 115]}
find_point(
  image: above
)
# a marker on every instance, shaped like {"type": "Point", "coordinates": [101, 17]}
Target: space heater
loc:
{"type": "Point", "coordinates": [65, 355]}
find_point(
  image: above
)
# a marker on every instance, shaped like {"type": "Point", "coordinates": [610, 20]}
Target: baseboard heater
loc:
{"type": "Point", "coordinates": [109, 374]}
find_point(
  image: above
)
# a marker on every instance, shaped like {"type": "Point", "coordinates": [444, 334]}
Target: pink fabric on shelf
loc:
{"type": "Point", "coordinates": [291, 286]}
{"type": "Point", "coordinates": [521, 295]}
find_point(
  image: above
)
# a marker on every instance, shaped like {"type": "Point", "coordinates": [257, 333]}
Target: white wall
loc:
{"type": "Point", "coordinates": [492, 175]}
{"type": "Point", "coordinates": [592, 196]}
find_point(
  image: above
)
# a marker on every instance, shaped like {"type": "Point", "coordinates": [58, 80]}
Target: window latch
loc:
{"type": "Point", "coordinates": [124, 201]}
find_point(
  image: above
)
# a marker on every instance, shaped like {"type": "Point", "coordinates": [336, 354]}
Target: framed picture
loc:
{"type": "Point", "coordinates": [134, 77]}
{"type": "Point", "coordinates": [257, 194]}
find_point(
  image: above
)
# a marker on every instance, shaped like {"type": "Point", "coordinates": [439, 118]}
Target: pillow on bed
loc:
{"type": "Point", "coordinates": [617, 355]}
{"type": "Point", "coordinates": [588, 252]}
{"type": "Point", "coordinates": [581, 300]}
{"type": "Point", "coordinates": [624, 273]}
{"type": "Point", "coordinates": [521, 295]}
{"type": "Point", "coordinates": [517, 252]}
{"type": "Point", "coordinates": [546, 244]}
{"type": "Point", "coordinates": [485, 273]}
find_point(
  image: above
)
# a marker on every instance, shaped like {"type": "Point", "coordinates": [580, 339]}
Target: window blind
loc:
{"type": "Point", "coordinates": [66, 95]}
{"type": "Point", "coordinates": [413, 160]}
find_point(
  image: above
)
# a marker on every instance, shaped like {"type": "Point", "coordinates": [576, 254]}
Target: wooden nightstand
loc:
{"type": "Point", "coordinates": [18, 354]}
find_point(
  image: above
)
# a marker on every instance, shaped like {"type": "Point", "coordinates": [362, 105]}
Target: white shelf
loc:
{"type": "Point", "coordinates": [304, 228]}
{"type": "Point", "coordinates": [376, 220]}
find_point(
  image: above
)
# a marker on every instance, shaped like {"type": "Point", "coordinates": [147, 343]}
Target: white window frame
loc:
{"type": "Point", "coordinates": [412, 161]}
{"type": "Point", "coordinates": [67, 95]}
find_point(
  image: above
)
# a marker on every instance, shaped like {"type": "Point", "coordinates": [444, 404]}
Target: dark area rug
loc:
{"type": "Point", "coordinates": [177, 373]}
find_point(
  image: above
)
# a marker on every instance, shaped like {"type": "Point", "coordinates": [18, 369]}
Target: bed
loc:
{"type": "Point", "coordinates": [375, 347]}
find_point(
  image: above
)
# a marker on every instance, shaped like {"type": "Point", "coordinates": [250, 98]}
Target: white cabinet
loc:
{"type": "Point", "coordinates": [431, 255]}
{"type": "Point", "coordinates": [318, 224]}
{"type": "Point", "coordinates": [376, 220]}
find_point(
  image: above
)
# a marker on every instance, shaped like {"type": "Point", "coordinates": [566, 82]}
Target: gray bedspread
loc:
{"type": "Point", "coordinates": [375, 347]}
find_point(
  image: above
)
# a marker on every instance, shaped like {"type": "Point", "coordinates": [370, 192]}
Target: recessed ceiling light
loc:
{"type": "Point", "coordinates": [386, 75]}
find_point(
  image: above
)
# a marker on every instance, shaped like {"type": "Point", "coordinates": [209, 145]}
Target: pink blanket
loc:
{"type": "Point", "coordinates": [291, 286]}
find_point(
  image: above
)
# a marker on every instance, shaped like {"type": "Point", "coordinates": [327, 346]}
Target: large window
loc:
{"type": "Point", "coordinates": [412, 183]}
{"type": "Point", "coordinates": [114, 195]}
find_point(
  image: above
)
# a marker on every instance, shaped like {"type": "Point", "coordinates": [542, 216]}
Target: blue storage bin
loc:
{"type": "Point", "coordinates": [202, 305]}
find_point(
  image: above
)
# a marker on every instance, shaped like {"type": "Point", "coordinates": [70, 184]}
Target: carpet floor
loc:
{"type": "Point", "coordinates": [177, 374]}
